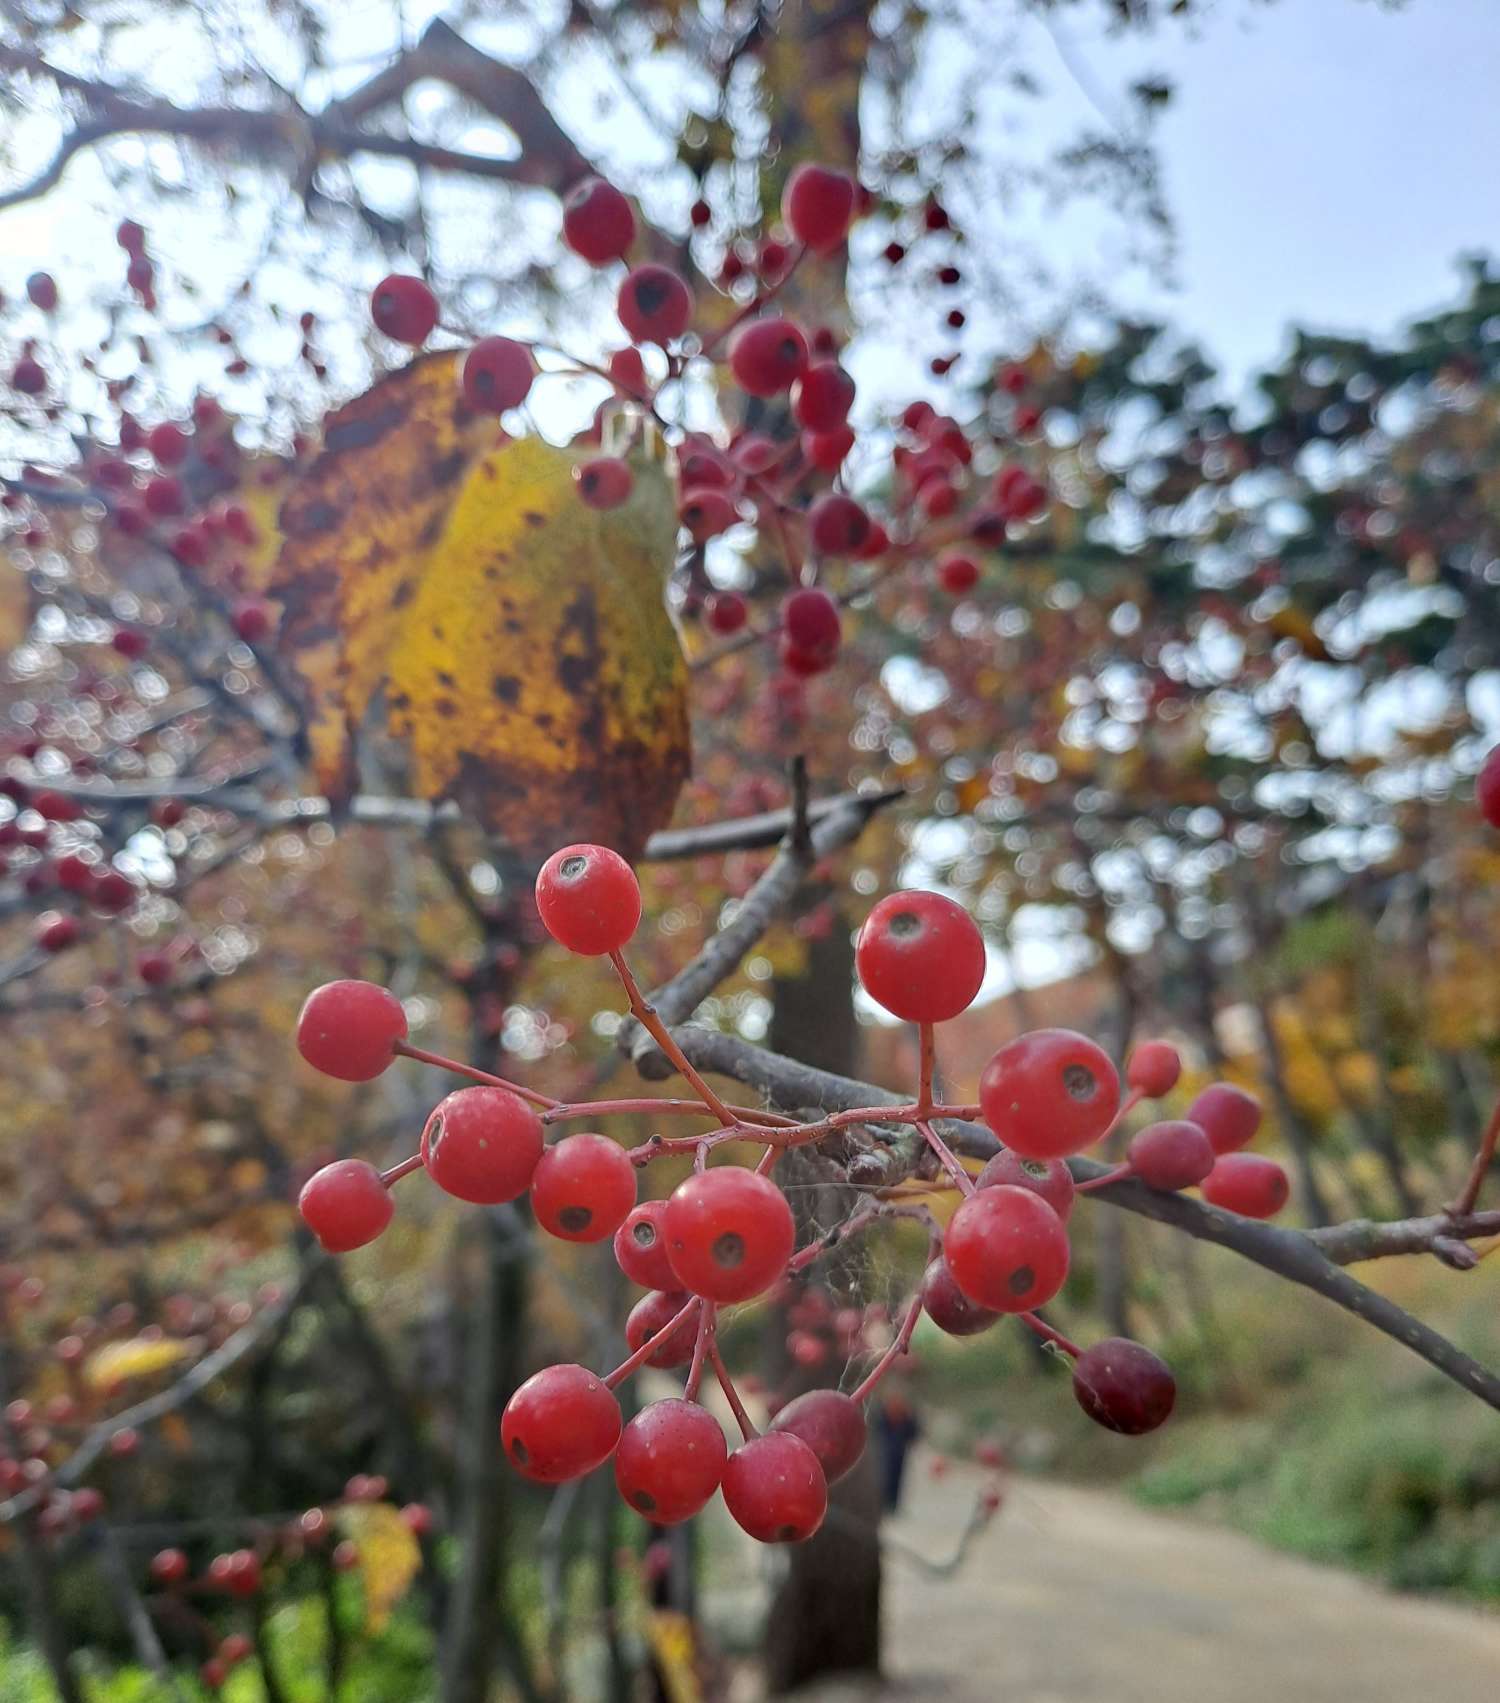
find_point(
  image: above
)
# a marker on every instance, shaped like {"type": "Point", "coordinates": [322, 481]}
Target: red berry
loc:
{"type": "Point", "coordinates": [130, 642]}
{"type": "Point", "coordinates": [235, 1648]}
{"type": "Point", "coordinates": [1123, 1386]}
{"type": "Point", "coordinates": [240, 1574]}
{"type": "Point", "coordinates": [810, 630]}
{"type": "Point", "coordinates": [251, 620]}
{"type": "Point", "coordinates": [823, 397]}
{"type": "Point", "coordinates": [1248, 1184]}
{"type": "Point", "coordinates": [169, 1566]}
{"type": "Point", "coordinates": [948, 1307]}
{"type": "Point", "coordinates": [497, 375]}
{"type": "Point", "coordinates": [589, 899]}
{"type": "Point", "coordinates": [86, 1504]}
{"type": "Point", "coordinates": [705, 512]}
{"type": "Point", "coordinates": [775, 1489]}
{"type": "Point", "coordinates": [654, 304]}
{"type": "Point", "coordinates": [130, 236]}
{"type": "Point", "coordinates": [628, 370]}
{"type": "Point", "coordinates": [1007, 1249]}
{"type": "Point", "coordinates": [168, 444]}
{"type": "Point", "coordinates": [772, 258]}
{"type": "Point", "coordinates": [1487, 788]}
{"type": "Point", "coordinates": [583, 1187]}
{"type": "Point", "coordinates": [163, 496]}
{"type": "Point", "coordinates": [350, 1029]}
{"type": "Point", "coordinates": [560, 1424]}
{"type": "Point", "coordinates": [699, 214]}
{"type": "Point", "coordinates": [641, 1246]}
{"type": "Point", "coordinates": [346, 1205]}
{"type": "Point", "coordinates": [729, 1233]}
{"type": "Point", "coordinates": [56, 931]}
{"type": "Point", "coordinates": [920, 956]}
{"type": "Point", "coordinates": [650, 1316]}
{"type": "Point", "coordinates": [213, 1673]}
{"type": "Point", "coordinates": [1017, 495]}
{"type": "Point", "coordinates": [72, 874]}
{"type": "Point", "coordinates": [1049, 1093]}
{"type": "Point", "coordinates": [345, 1557]}
{"type": "Point", "coordinates": [597, 221]}
{"type": "Point", "coordinates": [404, 308]}
{"type": "Point", "coordinates": [767, 356]}
{"type": "Point", "coordinates": [831, 1424]}
{"type": "Point", "coordinates": [817, 205]}
{"type": "Point", "coordinates": [827, 452]}
{"type": "Point", "coordinates": [725, 612]}
{"type": "Point", "coordinates": [28, 376]}
{"type": "Point", "coordinates": [1050, 1178]}
{"type": "Point", "coordinates": [605, 482]}
{"type": "Point", "coordinates": [1176, 1155]}
{"type": "Point", "coordinates": [1227, 1115]}
{"type": "Point", "coordinates": [958, 574]}
{"type": "Point", "coordinates": [114, 891]}
{"type": "Point", "coordinates": [1153, 1067]}
{"type": "Point", "coordinates": [482, 1145]}
{"type": "Point", "coordinates": [154, 968]}
{"type": "Point", "coordinates": [41, 287]}
{"type": "Point", "coordinates": [417, 1518]}
{"type": "Point", "coordinates": [670, 1460]}
{"type": "Point", "coordinates": [837, 525]}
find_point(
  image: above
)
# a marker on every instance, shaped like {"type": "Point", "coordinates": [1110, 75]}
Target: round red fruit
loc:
{"type": "Point", "coordinates": [605, 482]}
{"type": "Point", "coordinates": [775, 1489]}
{"type": "Point", "coordinates": [1007, 1249]}
{"type": "Point", "coordinates": [810, 629]}
{"type": "Point", "coordinates": [1123, 1386]}
{"type": "Point", "coordinates": [597, 221]}
{"type": "Point", "coordinates": [1174, 1155]}
{"type": "Point", "coordinates": [404, 309]}
{"type": "Point", "coordinates": [1227, 1115]}
{"type": "Point", "coordinates": [767, 356]}
{"type": "Point", "coordinates": [497, 375]}
{"type": "Point", "coordinates": [1049, 1093]}
{"type": "Point", "coordinates": [169, 1566]}
{"type": "Point", "coordinates": [948, 1307]}
{"type": "Point", "coordinates": [583, 1187]}
{"type": "Point", "coordinates": [823, 398]}
{"type": "Point", "coordinates": [831, 1424]}
{"type": "Point", "coordinates": [837, 525]}
{"type": "Point", "coordinates": [958, 574]}
{"type": "Point", "coordinates": [827, 452]}
{"type": "Point", "coordinates": [649, 1318]}
{"type": "Point", "coordinates": [560, 1424]}
{"type": "Point", "coordinates": [350, 1029]}
{"type": "Point", "coordinates": [1050, 1178]}
{"type": "Point", "coordinates": [346, 1205]}
{"type": "Point", "coordinates": [168, 444]}
{"type": "Point", "coordinates": [725, 612]}
{"type": "Point", "coordinates": [641, 1246]}
{"type": "Point", "coordinates": [705, 512]}
{"type": "Point", "coordinates": [729, 1233]}
{"type": "Point", "coordinates": [920, 956]}
{"type": "Point", "coordinates": [669, 1461]}
{"type": "Point", "coordinates": [1153, 1068]}
{"type": "Point", "coordinates": [56, 931]}
{"type": "Point", "coordinates": [817, 205]}
{"type": "Point", "coordinates": [654, 304]}
{"type": "Point", "coordinates": [1247, 1183]}
{"type": "Point", "coordinates": [482, 1145]}
{"type": "Point", "coordinates": [589, 899]}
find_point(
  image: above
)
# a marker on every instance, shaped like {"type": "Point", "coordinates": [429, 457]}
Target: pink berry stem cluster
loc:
{"type": "Point", "coordinates": [726, 1234]}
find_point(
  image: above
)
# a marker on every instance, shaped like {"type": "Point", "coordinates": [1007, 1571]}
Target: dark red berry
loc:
{"type": "Point", "coordinates": [669, 1461]}
{"type": "Point", "coordinates": [169, 1566]}
{"type": "Point", "coordinates": [628, 370]}
{"type": "Point", "coordinates": [1227, 1115]}
{"type": "Point", "coordinates": [641, 1246]}
{"type": "Point", "coordinates": [705, 512]}
{"type": "Point", "coordinates": [597, 221]}
{"type": "Point", "coordinates": [130, 236]}
{"type": "Point", "coordinates": [497, 375]}
{"type": "Point", "coordinates": [810, 630]}
{"type": "Point", "coordinates": [958, 573]}
{"type": "Point", "coordinates": [560, 1424]}
{"type": "Point", "coordinates": [1050, 1178]}
{"type": "Point", "coordinates": [1007, 1249]}
{"type": "Point", "coordinates": [948, 1307]}
{"type": "Point", "coordinates": [583, 1187]}
{"type": "Point", "coordinates": [55, 931]}
{"type": "Point", "coordinates": [41, 287]}
{"type": "Point", "coordinates": [28, 377]}
{"type": "Point", "coordinates": [1049, 1093]}
{"type": "Point", "coordinates": [168, 444]}
{"type": "Point", "coordinates": [725, 612]}
{"type": "Point", "coordinates": [1248, 1184]}
{"type": "Point", "coordinates": [1123, 1386]}
{"type": "Point", "coordinates": [729, 1233]}
{"type": "Point", "coordinates": [767, 356]}
{"type": "Point", "coordinates": [605, 482]}
{"type": "Point", "coordinates": [163, 496]}
{"type": "Point", "coordinates": [817, 205]}
{"type": "Point", "coordinates": [404, 309]}
{"type": "Point", "coordinates": [649, 1318]}
{"type": "Point", "coordinates": [654, 304]}
{"type": "Point", "coordinates": [920, 956]}
{"type": "Point", "coordinates": [251, 620]}
{"type": "Point", "coordinates": [130, 642]}
{"type": "Point", "coordinates": [823, 398]}
{"type": "Point", "coordinates": [589, 899]}
{"type": "Point", "coordinates": [774, 1488]}
{"type": "Point", "coordinates": [1175, 1155]}
{"type": "Point", "coordinates": [482, 1145]}
{"type": "Point", "coordinates": [1153, 1068]}
{"type": "Point", "coordinates": [831, 1424]}
{"type": "Point", "coordinates": [350, 1029]}
{"type": "Point", "coordinates": [345, 1205]}
{"type": "Point", "coordinates": [837, 525]}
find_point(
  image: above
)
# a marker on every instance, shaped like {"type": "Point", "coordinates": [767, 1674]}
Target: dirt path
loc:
{"type": "Point", "coordinates": [1079, 1596]}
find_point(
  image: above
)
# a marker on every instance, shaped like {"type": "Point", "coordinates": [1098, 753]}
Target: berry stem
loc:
{"type": "Point", "coordinates": [1047, 1334]}
{"type": "Point", "coordinates": [422, 1056]}
{"type": "Point", "coordinates": [945, 1157]}
{"type": "Point", "coordinates": [928, 1059]}
{"type": "Point", "coordinates": [645, 1014]}
{"type": "Point", "coordinates": [1115, 1174]}
{"type": "Point", "coordinates": [404, 1169]}
{"type": "Point", "coordinates": [621, 1372]}
{"type": "Point", "coordinates": [707, 1322]}
{"type": "Point", "coordinates": [1482, 1160]}
{"type": "Point", "coordinates": [753, 306]}
{"type": "Point", "coordinates": [563, 1110]}
{"type": "Point", "coordinates": [731, 1394]}
{"type": "Point", "coordinates": [1127, 1106]}
{"type": "Point", "coordinates": [883, 1365]}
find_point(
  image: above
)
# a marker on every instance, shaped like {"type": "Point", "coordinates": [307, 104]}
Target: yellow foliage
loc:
{"type": "Point", "coordinates": [118, 1362]}
{"type": "Point", "coordinates": [671, 1637]}
{"type": "Point", "coordinates": [513, 642]}
{"type": "Point", "coordinates": [389, 1556]}
{"type": "Point", "coordinates": [15, 607]}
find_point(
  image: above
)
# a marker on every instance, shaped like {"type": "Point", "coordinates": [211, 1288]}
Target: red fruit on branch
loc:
{"type": "Point", "coordinates": [1007, 1249]}
{"type": "Point", "coordinates": [589, 899]}
{"type": "Point", "coordinates": [823, 396]}
{"type": "Point", "coordinates": [730, 1233]}
{"type": "Point", "coordinates": [1049, 1093]}
{"type": "Point", "coordinates": [831, 1424]}
{"type": "Point", "coordinates": [1247, 1183]}
{"type": "Point", "coordinates": [1153, 1068]}
{"type": "Point", "coordinates": [404, 309]}
{"type": "Point", "coordinates": [1487, 788]}
{"type": "Point", "coordinates": [605, 482]}
{"type": "Point", "coordinates": [920, 956]}
{"type": "Point", "coordinates": [497, 375]}
{"type": "Point", "coordinates": [1227, 1115]}
{"type": "Point", "coordinates": [597, 221]}
{"type": "Point", "coordinates": [654, 304]}
{"type": "Point", "coordinates": [1050, 1178]}
{"type": "Point", "coordinates": [725, 612]}
{"type": "Point", "coordinates": [818, 205]}
{"type": "Point", "coordinates": [349, 1029]}
{"type": "Point", "coordinates": [670, 1460]}
{"type": "Point", "coordinates": [774, 1488]}
{"type": "Point", "coordinates": [948, 1307]}
{"type": "Point", "coordinates": [837, 525]}
{"type": "Point", "coordinates": [482, 1145]}
{"type": "Point", "coordinates": [767, 356]}
{"type": "Point", "coordinates": [958, 574]}
{"type": "Point", "coordinates": [582, 1188]}
{"type": "Point", "coordinates": [649, 1318]}
{"type": "Point", "coordinates": [1175, 1155]}
{"type": "Point", "coordinates": [641, 1246]}
{"type": "Point", "coordinates": [561, 1423]}
{"type": "Point", "coordinates": [1123, 1386]}
{"type": "Point", "coordinates": [346, 1205]}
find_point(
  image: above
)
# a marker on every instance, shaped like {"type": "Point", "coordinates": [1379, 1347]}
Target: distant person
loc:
{"type": "Point", "coordinates": [898, 1428]}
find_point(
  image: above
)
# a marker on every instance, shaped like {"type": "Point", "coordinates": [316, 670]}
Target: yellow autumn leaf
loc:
{"type": "Point", "coordinates": [672, 1641]}
{"type": "Point", "coordinates": [15, 607]}
{"type": "Point", "coordinates": [118, 1362]}
{"type": "Point", "coordinates": [510, 644]}
{"type": "Point", "coordinates": [389, 1556]}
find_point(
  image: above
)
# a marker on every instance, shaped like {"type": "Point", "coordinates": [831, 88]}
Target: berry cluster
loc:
{"type": "Point", "coordinates": [727, 1234]}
